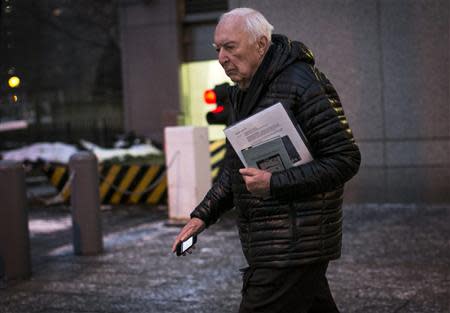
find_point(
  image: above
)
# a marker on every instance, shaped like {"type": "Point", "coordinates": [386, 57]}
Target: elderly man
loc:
{"type": "Point", "coordinates": [290, 221]}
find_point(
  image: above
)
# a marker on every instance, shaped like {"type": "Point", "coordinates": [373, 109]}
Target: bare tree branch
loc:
{"type": "Point", "coordinates": [34, 12]}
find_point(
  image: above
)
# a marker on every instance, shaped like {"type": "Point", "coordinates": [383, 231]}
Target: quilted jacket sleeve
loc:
{"type": "Point", "coordinates": [336, 156]}
{"type": "Point", "coordinates": [219, 198]}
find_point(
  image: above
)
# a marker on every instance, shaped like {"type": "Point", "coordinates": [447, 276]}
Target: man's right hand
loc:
{"type": "Point", "coordinates": [193, 227]}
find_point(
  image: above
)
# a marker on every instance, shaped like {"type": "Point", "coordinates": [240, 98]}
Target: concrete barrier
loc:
{"type": "Point", "coordinates": [188, 168]}
{"type": "Point", "coordinates": [85, 204]}
{"type": "Point", "coordinates": [14, 234]}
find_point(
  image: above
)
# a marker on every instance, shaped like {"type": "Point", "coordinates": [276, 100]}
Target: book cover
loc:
{"type": "Point", "coordinates": [271, 156]}
{"type": "Point", "coordinates": [275, 125]}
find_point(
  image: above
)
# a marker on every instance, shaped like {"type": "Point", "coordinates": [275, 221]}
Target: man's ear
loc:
{"type": "Point", "coordinates": [262, 43]}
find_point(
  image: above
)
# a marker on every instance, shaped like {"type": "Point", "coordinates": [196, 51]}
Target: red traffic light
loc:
{"type": "Point", "coordinates": [218, 96]}
{"type": "Point", "coordinates": [219, 109]}
{"type": "Point", "coordinates": [210, 96]}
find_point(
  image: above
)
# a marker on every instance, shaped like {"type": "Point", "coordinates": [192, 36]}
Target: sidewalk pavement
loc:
{"type": "Point", "coordinates": [395, 259]}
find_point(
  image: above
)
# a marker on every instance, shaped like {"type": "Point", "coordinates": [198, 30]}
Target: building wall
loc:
{"type": "Point", "coordinates": [150, 65]}
{"type": "Point", "coordinates": [389, 61]}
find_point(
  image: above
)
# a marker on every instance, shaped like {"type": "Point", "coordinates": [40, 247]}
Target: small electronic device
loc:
{"type": "Point", "coordinates": [183, 246]}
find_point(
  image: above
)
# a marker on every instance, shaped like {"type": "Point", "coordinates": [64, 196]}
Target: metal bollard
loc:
{"type": "Point", "coordinates": [14, 234]}
{"type": "Point", "coordinates": [85, 202]}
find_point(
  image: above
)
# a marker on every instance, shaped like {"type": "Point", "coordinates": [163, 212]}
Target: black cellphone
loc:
{"type": "Point", "coordinates": [183, 246]}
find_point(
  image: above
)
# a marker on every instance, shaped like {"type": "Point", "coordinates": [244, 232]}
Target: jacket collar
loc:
{"type": "Point", "coordinates": [282, 52]}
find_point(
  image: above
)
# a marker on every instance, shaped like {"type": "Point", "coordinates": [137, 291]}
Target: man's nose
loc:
{"type": "Point", "coordinates": [223, 57]}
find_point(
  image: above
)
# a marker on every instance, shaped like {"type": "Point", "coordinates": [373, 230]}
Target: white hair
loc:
{"type": "Point", "coordinates": [256, 24]}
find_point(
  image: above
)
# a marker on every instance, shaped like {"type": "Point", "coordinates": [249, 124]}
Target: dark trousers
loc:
{"type": "Point", "coordinates": [287, 290]}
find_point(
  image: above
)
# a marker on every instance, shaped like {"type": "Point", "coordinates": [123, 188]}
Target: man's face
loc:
{"type": "Point", "coordinates": [237, 53]}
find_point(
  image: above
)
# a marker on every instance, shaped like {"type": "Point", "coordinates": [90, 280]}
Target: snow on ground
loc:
{"type": "Point", "coordinates": [42, 151]}
{"type": "Point", "coordinates": [135, 150]}
{"type": "Point", "coordinates": [59, 152]}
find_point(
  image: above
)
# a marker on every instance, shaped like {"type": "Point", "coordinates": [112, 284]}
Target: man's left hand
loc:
{"type": "Point", "coordinates": [257, 181]}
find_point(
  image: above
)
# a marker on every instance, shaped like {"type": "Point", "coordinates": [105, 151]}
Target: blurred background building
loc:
{"type": "Point", "coordinates": [140, 65]}
{"type": "Point", "coordinates": [66, 54]}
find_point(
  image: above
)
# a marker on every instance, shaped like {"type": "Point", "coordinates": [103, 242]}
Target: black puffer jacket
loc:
{"type": "Point", "coordinates": [302, 222]}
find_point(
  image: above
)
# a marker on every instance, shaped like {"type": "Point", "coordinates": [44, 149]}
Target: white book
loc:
{"type": "Point", "coordinates": [269, 140]}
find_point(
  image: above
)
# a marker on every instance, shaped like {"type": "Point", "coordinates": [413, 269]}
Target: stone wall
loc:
{"type": "Point", "coordinates": [389, 61]}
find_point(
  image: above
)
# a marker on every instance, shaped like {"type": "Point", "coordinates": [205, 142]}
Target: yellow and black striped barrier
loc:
{"type": "Point", "coordinates": [126, 184]}
{"type": "Point", "coordinates": [130, 184]}
{"type": "Point", "coordinates": [217, 153]}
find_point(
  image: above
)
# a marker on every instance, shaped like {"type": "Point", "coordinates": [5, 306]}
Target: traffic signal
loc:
{"type": "Point", "coordinates": [10, 90]}
{"type": "Point", "coordinates": [14, 82]}
{"type": "Point", "coordinates": [218, 96]}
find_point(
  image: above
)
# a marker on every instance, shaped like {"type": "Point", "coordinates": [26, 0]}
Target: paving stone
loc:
{"type": "Point", "coordinates": [395, 259]}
